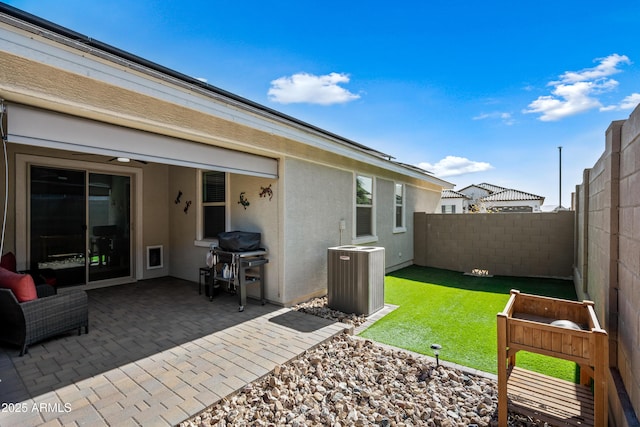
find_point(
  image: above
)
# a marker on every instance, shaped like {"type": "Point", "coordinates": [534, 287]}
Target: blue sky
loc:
{"type": "Point", "coordinates": [473, 91]}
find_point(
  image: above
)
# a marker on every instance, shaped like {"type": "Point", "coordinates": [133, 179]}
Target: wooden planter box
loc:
{"type": "Point", "coordinates": [527, 324]}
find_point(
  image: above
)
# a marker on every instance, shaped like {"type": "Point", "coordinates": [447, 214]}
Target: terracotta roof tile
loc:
{"type": "Point", "coordinates": [452, 194]}
{"type": "Point", "coordinates": [509, 195]}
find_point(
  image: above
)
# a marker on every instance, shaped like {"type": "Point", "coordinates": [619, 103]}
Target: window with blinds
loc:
{"type": "Point", "coordinates": [213, 203]}
{"type": "Point", "coordinates": [364, 206]}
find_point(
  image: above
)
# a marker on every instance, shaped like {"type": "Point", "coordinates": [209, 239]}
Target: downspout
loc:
{"type": "Point", "coordinates": [3, 135]}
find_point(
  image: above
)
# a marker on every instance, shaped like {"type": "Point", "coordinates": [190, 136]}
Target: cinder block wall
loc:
{"type": "Point", "coordinates": [629, 259]}
{"type": "Point", "coordinates": [608, 269]}
{"type": "Point", "coordinates": [527, 244]}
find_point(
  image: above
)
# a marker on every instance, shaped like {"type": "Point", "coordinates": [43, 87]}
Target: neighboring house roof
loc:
{"type": "Point", "coordinates": [452, 194]}
{"type": "Point", "coordinates": [491, 187]}
{"type": "Point", "coordinates": [502, 194]}
{"type": "Point", "coordinates": [470, 187]}
{"type": "Point", "coordinates": [510, 195]}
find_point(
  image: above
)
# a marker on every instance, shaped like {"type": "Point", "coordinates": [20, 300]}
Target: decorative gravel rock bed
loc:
{"type": "Point", "coordinates": [319, 307]}
{"type": "Point", "coordinates": [349, 381]}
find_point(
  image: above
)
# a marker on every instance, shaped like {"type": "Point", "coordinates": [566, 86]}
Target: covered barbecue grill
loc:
{"type": "Point", "coordinates": [238, 261]}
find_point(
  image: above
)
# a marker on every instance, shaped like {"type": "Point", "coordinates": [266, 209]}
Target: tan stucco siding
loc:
{"type": "Point", "coordinates": [43, 86]}
{"type": "Point", "coordinates": [156, 222]}
{"type": "Point", "coordinates": [261, 216]}
{"type": "Point", "coordinates": [186, 258]}
{"type": "Point", "coordinates": [317, 198]}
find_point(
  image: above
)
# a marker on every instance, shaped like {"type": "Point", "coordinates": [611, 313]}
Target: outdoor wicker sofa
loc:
{"type": "Point", "coordinates": [51, 314]}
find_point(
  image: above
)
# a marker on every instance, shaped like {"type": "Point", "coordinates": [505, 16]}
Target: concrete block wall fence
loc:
{"type": "Point", "coordinates": [597, 244]}
{"type": "Point", "coordinates": [509, 244]}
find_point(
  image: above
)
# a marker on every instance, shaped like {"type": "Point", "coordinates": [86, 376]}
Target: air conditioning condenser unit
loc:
{"type": "Point", "coordinates": [355, 282]}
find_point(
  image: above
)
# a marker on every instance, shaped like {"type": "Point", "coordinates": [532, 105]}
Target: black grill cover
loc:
{"type": "Point", "coordinates": [239, 241]}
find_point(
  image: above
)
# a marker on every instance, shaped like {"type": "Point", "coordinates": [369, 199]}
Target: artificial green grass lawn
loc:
{"type": "Point", "coordinates": [459, 313]}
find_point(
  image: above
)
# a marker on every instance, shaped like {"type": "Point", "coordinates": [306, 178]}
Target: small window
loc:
{"type": "Point", "coordinates": [399, 206]}
{"type": "Point", "coordinates": [364, 206]}
{"type": "Point", "coordinates": [448, 208]}
{"type": "Point", "coordinates": [213, 204]}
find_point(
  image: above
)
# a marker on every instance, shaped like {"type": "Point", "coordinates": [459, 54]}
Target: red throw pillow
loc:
{"type": "Point", "coordinates": [8, 261]}
{"type": "Point", "coordinates": [21, 285]}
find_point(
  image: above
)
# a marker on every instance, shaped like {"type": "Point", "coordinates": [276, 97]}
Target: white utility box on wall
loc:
{"type": "Point", "coordinates": [355, 282]}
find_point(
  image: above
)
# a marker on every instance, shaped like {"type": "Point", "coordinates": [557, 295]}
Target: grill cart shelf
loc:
{"type": "Point", "coordinates": [558, 328]}
{"type": "Point", "coordinates": [245, 268]}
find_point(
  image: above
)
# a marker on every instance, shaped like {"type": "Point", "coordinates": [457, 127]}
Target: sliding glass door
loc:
{"type": "Point", "coordinates": [80, 225]}
{"type": "Point", "coordinates": [58, 224]}
{"type": "Point", "coordinates": [109, 231]}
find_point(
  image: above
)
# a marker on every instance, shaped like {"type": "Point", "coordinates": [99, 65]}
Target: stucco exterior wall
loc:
{"type": "Point", "coordinates": [460, 205]}
{"type": "Point", "coordinates": [608, 204]}
{"type": "Point", "coordinates": [185, 257]}
{"type": "Point", "coordinates": [155, 222]}
{"type": "Point", "coordinates": [260, 216]}
{"type": "Point", "coordinates": [509, 244]}
{"type": "Point", "coordinates": [399, 245]}
{"type": "Point", "coordinates": [316, 198]}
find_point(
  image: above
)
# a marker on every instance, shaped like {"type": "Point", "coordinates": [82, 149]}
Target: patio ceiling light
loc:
{"type": "Point", "coordinates": [127, 160]}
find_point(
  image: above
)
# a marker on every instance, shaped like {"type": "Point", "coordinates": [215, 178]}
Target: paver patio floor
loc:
{"type": "Point", "coordinates": [157, 353]}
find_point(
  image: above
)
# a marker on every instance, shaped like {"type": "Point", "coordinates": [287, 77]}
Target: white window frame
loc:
{"type": "Point", "coordinates": [449, 209]}
{"type": "Point", "coordinates": [200, 240]}
{"type": "Point", "coordinates": [403, 227]}
{"type": "Point", "coordinates": [373, 237]}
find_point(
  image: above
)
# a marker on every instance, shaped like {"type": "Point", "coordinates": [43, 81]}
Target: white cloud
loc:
{"type": "Point", "coordinates": [628, 103]}
{"type": "Point", "coordinates": [607, 67]}
{"type": "Point", "coordinates": [576, 92]}
{"type": "Point", "coordinates": [308, 88]}
{"type": "Point", "coordinates": [567, 100]}
{"type": "Point", "coordinates": [506, 118]}
{"type": "Point", "coordinates": [453, 166]}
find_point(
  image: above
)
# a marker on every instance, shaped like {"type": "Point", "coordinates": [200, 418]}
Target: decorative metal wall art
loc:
{"type": "Point", "coordinates": [243, 200]}
{"type": "Point", "coordinates": [266, 191]}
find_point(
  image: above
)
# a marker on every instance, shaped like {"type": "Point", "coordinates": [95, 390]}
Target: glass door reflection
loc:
{"type": "Point", "coordinates": [58, 224]}
{"type": "Point", "coordinates": [109, 230]}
